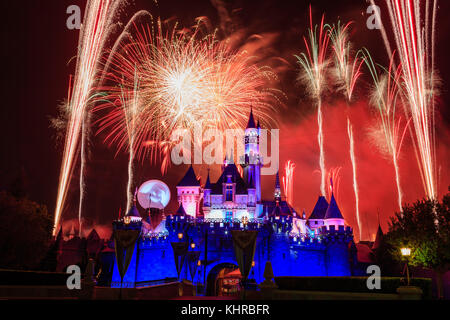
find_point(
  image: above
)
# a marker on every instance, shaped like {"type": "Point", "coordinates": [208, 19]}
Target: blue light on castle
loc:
{"type": "Point", "coordinates": [320, 245]}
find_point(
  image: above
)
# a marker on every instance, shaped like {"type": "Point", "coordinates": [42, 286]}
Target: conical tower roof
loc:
{"type": "Point", "coordinates": [208, 183]}
{"type": "Point", "coordinates": [180, 211]}
{"type": "Point", "coordinates": [333, 211]}
{"type": "Point", "coordinates": [72, 230]}
{"type": "Point", "coordinates": [320, 209]}
{"type": "Point", "coordinates": [93, 235]}
{"type": "Point", "coordinates": [378, 238]}
{"type": "Point", "coordinates": [133, 212]}
{"type": "Point", "coordinates": [251, 121]}
{"type": "Point", "coordinates": [189, 179]}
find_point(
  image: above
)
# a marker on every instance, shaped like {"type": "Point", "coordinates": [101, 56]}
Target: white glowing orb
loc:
{"type": "Point", "coordinates": [153, 194]}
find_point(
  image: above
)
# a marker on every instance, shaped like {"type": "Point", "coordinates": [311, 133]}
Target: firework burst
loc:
{"type": "Point", "coordinates": [346, 69]}
{"type": "Point", "coordinates": [188, 79]}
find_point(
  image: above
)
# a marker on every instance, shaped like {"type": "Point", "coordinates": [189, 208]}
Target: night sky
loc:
{"type": "Point", "coordinates": [37, 52]}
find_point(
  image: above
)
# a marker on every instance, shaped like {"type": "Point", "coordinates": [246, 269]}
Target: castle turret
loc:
{"type": "Point", "coordinates": [180, 212]}
{"type": "Point", "coordinates": [133, 214]}
{"type": "Point", "coordinates": [317, 217]}
{"type": "Point", "coordinates": [189, 192]}
{"type": "Point", "coordinates": [333, 216]}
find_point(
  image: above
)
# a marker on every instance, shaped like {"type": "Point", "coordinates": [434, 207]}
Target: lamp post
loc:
{"type": "Point", "coordinates": [406, 252]}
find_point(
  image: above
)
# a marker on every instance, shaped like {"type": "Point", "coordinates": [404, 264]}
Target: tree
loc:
{"type": "Point", "coordinates": [416, 228]}
{"type": "Point", "coordinates": [25, 232]}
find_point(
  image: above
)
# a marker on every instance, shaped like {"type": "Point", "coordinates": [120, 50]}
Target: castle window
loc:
{"type": "Point", "coordinates": [229, 193]}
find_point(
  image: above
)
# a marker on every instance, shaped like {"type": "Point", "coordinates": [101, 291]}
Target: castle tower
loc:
{"type": "Point", "coordinates": [252, 163]}
{"type": "Point", "coordinates": [189, 192]}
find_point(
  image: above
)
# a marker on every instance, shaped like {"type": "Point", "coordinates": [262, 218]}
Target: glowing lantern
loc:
{"type": "Point", "coordinates": [406, 252]}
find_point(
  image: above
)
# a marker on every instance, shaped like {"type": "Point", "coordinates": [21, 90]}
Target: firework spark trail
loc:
{"type": "Point", "coordinates": [385, 97]}
{"type": "Point", "coordinates": [355, 180]}
{"type": "Point", "coordinates": [186, 79]}
{"type": "Point", "coordinates": [95, 29]}
{"type": "Point", "coordinates": [130, 107]}
{"type": "Point", "coordinates": [288, 181]}
{"type": "Point", "coordinates": [418, 79]}
{"type": "Point", "coordinates": [347, 71]}
{"type": "Point", "coordinates": [334, 181]}
{"type": "Point", "coordinates": [314, 64]}
{"type": "Point", "coordinates": [82, 177]}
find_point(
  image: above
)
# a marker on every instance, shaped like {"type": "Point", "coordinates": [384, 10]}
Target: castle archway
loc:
{"type": "Point", "coordinates": [216, 275]}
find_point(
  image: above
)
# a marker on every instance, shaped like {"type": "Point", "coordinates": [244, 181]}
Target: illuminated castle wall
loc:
{"type": "Point", "coordinates": [320, 245]}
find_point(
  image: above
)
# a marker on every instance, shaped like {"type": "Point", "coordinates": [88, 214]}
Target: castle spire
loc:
{"type": "Point", "coordinates": [333, 211]}
{"type": "Point", "coordinates": [251, 120]}
{"type": "Point", "coordinates": [208, 182]}
{"type": "Point", "coordinates": [378, 238]}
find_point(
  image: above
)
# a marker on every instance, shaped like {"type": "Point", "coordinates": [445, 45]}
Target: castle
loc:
{"type": "Point", "coordinates": [318, 245]}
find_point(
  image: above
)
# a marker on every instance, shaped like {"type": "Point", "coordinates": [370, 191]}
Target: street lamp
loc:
{"type": "Point", "coordinates": [193, 245]}
{"type": "Point", "coordinates": [180, 236]}
{"type": "Point", "coordinates": [406, 252]}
